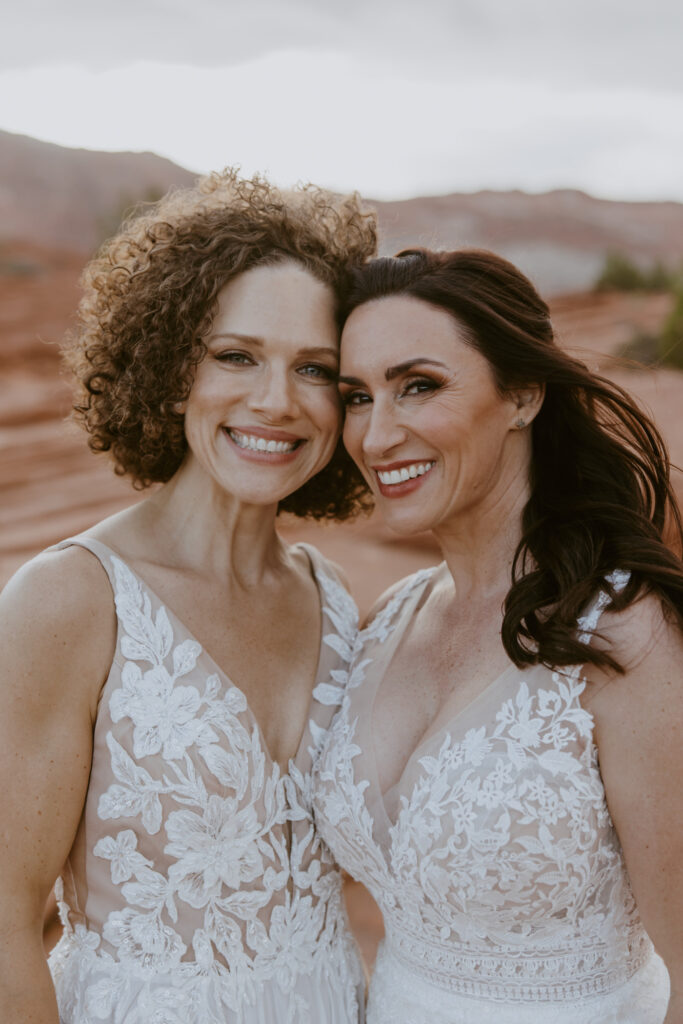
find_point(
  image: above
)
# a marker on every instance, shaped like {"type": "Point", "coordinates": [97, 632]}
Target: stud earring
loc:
{"type": "Point", "coordinates": [520, 424]}
{"type": "Point", "coordinates": [179, 407]}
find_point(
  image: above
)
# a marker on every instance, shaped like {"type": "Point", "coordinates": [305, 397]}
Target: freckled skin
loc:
{"type": "Point", "coordinates": [447, 410]}
{"type": "Point", "coordinates": [206, 541]}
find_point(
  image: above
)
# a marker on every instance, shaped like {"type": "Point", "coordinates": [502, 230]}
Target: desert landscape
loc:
{"type": "Point", "coordinates": [52, 486]}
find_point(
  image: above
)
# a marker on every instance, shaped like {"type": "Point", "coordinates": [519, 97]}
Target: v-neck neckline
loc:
{"type": "Point", "coordinates": [429, 739]}
{"type": "Point", "coordinates": [210, 661]}
{"type": "Point", "coordinates": [383, 823]}
{"type": "Point", "coordinates": [387, 655]}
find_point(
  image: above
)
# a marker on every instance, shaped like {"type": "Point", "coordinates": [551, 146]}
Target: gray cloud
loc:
{"type": "Point", "coordinates": [609, 44]}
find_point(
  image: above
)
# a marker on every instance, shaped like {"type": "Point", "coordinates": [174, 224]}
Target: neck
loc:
{"type": "Point", "coordinates": [479, 546]}
{"type": "Point", "coordinates": [210, 531]}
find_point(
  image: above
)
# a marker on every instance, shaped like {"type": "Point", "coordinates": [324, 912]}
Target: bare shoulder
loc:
{"type": "Point", "coordinates": [648, 643]}
{"type": "Point", "coordinates": [646, 640]}
{"type": "Point", "coordinates": [638, 718]}
{"type": "Point", "coordinates": [57, 589]}
{"type": "Point", "coordinates": [57, 620]}
{"type": "Point", "coordinates": [637, 632]}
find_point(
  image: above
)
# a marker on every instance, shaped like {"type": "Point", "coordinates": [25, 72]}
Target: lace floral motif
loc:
{"type": "Point", "coordinates": [502, 876]}
{"type": "Point", "coordinates": [221, 880]}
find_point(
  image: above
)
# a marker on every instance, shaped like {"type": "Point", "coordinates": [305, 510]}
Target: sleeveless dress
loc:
{"type": "Point", "coordinates": [493, 859]}
{"type": "Point", "coordinates": [197, 890]}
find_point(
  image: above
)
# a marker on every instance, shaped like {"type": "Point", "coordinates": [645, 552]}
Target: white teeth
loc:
{"type": "Point", "coordinates": [398, 476]}
{"type": "Point", "coordinates": [259, 444]}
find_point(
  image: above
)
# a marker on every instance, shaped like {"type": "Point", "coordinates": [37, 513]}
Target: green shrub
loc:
{"type": "Point", "coordinates": [620, 273]}
{"type": "Point", "coordinates": [671, 337]}
{"type": "Point", "coordinates": [660, 278]}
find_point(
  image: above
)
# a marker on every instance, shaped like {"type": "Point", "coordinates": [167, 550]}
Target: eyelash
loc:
{"type": "Point", "coordinates": [236, 358]}
{"type": "Point", "coordinates": [354, 399]}
{"type": "Point", "coordinates": [424, 385]}
{"type": "Point", "coordinates": [320, 371]}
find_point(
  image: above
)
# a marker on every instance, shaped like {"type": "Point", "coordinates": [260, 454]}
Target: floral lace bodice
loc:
{"type": "Point", "coordinates": [197, 889]}
{"type": "Point", "coordinates": [493, 859]}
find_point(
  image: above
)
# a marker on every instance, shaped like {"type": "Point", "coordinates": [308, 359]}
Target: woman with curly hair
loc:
{"type": "Point", "coordinates": [521, 880]}
{"type": "Point", "coordinates": [166, 677]}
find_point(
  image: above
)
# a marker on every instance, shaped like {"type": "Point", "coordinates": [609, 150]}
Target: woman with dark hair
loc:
{"type": "Point", "coordinates": [166, 677]}
{"type": "Point", "coordinates": [521, 881]}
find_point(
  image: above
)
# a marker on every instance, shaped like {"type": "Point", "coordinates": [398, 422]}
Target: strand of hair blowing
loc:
{"type": "Point", "coordinates": [600, 494]}
{"type": "Point", "coordinates": [600, 499]}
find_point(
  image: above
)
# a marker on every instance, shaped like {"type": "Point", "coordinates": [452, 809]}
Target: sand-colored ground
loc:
{"type": "Point", "coordinates": [51, 486]}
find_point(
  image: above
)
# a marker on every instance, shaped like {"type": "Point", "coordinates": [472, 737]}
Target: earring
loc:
{"type": "Point", "coordinates": [520, 424]}
{"type": "Point", "coordinates": [179, 407]}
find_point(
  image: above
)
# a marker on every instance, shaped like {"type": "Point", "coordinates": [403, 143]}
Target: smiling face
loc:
{"type": "Point", "coordinates": [263, 415]}
{"type": "Point", "coordinates": [426, 424]}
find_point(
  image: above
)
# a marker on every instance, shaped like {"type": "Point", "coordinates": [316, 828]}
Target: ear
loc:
{"type": "Point", "coordinates": [526, 404]}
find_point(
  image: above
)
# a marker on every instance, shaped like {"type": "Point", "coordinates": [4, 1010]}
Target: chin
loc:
{"type": "Point", "coordinates": [407, 525]}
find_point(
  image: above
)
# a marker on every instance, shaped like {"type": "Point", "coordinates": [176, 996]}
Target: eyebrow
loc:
{"type": "Point", "coordinates": [251, 339]}
{"type": "Point", "coordinates": [395, 371]}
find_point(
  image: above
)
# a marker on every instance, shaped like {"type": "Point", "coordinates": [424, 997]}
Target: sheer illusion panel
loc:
{"type": "Point", "coordinates": [494, 861]}
{"type": "Point", "coordinates": [198, 889]}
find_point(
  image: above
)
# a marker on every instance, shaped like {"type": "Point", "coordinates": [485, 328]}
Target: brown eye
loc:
{"type": "Point", "coordinates": [352, 399]}
{"type": "Point", "coordinates": [420, 385]}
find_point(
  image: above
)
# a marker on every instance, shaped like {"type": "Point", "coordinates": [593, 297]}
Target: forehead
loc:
{"type": "Point", "coordinates": [276, 300]}
{"type": "Point", "coordinates": [389, 330]}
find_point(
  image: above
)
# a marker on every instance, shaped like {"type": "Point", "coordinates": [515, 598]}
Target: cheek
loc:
{"type": "Point", "coordinates": [326, 410]}
{"type": "Point", "coordinates": [352, 434]}
{"type": "Point", "coordinates": [208, 388]}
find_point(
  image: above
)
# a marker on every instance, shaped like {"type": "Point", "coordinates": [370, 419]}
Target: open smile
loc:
{"type": "Point", "coordinates": [401, 478]}
{"type": "Point", "coordinates": [270, 446]}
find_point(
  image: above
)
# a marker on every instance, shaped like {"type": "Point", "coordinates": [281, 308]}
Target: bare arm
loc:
{"type": "Point", "coordinates": [639, 732]}
{"type": "Point", "coordinates": [57, 634]}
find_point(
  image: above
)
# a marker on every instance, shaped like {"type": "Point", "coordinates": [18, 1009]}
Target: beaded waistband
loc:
{"type": "Point", "coordinates": [532, 976]}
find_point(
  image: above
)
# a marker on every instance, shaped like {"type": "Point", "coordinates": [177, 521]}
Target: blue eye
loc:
{"type": "Point", "coordinates": [317, 371]}
{"type": "Point", "coordinates": [234, 358]}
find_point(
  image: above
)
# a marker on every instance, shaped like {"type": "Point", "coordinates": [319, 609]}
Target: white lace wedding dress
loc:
{"type": "Point", "coordinates": [197, 890]}
{"type": "Point", "coordinates": [493, 859]}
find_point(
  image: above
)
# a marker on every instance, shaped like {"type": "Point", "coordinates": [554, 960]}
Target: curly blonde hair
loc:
{"type": "Point", "coordinates": [150, 298]}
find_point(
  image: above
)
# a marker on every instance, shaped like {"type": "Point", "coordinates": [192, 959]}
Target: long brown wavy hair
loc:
{"type": "Point", "coordinates": [600, 491]}
{"type": "Point", "coordinates": [149, 300]}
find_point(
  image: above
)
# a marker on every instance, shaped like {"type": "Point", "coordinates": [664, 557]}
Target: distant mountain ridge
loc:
{"type": "Point", "coordinates": [71, 199]}
{"type": "Point", "coordinates": [67, 198]}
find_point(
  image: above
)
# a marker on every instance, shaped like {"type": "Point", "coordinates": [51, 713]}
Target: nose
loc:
{"type": "Point", "coordinates": [383, 431]}
{"type": "Point", "coordinates": [274, 396]}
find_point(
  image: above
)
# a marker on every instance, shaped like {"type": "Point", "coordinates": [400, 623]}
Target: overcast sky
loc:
{"type": "Point", "coordinates": [391, 97]}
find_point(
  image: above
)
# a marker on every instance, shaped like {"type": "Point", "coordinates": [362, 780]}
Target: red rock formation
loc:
{"type": "Point", "coordinates": [52, 486]}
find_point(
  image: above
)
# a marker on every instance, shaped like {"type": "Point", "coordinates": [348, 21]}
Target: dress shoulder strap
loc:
{"type": "Point", "coordinates": [338, 606]}
{"type": "Point", "coordinates": [400, 605]}
{"type": "Point", "coordinates": [321, 564]}
{"type": "Point", "coordinates": [588, 622]}
{"type": "Point", "coordinates": [102, 553]}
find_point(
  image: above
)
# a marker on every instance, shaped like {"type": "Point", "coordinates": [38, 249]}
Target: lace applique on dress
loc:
{"type": "Point", "coordinates": [501, 879]}
{"type": "Point", "coordinates": [207, 895]}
